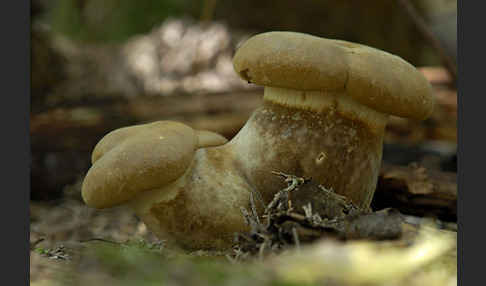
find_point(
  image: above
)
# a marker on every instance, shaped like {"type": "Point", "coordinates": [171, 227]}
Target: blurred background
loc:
{"type": "Point", "coordinates": [101, 64]}
{"type": "Point", "coordinates": [98, 65]}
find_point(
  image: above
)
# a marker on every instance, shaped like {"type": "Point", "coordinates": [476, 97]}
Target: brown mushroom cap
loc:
{"type": "Point", "coordinates": [115, 137]}
{"type": "Point", "coordinates": [138, 158]}
{"type": "Point", "coordinates": [204, 138]}
{"type": "Point", "coordinates": [372, 77]}
{"type": "Point", "coordinates": [209, 139]}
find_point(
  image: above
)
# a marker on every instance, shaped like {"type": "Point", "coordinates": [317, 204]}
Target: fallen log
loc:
{"type": "Point", "coordinates": [63, 137]}
{"type": "Point", "coordinates": [78, 126]}
{"type": "Point", "coordinates": [417, 191]}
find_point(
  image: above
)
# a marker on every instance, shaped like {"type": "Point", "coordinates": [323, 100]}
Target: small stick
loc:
{"type": "Point", "coordinates": [33, 244]}
{"type": "Point", "coordinates": [207, 12]}
{"type": "Point", "coordinates": [262, 249]}
{"type": "Point", "coordinates": [292, 181]}
{"type": "Point", "coordinates": [430, 37]}
{"type": "Point", "coordinates": [99, 239]}
{"type": "Point", "coordinates": [258, 196]}
{"type": "Point", "coordinates": [253, 209]}
{"type": "Point", "coordinates": [230, 259]}
{"type": "Point", "coordinates": [296, 238]}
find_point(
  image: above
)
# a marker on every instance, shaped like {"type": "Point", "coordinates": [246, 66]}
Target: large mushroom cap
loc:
{"type": "Point", "coordinates": [130, 160]}
{"type": "Point", "coordinates": [372, 77]}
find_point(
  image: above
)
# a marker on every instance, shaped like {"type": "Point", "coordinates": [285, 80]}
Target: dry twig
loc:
{"type": "Point", "coordinates": [429, 36]}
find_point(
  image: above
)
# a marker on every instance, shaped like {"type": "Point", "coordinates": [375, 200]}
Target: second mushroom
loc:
{"type": "Point", "coordinates": [325, 108]}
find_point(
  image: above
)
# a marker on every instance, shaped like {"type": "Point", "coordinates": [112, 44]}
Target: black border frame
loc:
{"type": "Point", "coordinates": [14, 214]}
{"type": "Point", "coordinates": [470, 147]}
{"type": "Point", "coordinates": [16, 91]}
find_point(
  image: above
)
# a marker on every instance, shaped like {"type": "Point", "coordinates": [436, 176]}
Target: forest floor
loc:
{"type": "Point", "coordinates": [72, 244]}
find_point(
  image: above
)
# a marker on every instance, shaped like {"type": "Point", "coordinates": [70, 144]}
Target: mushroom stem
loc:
{"type": "Point", "coordinates": [202, 208]}
{"type": "Point", "coordinates": [331, 138]}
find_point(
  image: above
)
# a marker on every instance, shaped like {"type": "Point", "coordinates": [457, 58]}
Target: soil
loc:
{"type": "Point", "coordinates": [69, 224]}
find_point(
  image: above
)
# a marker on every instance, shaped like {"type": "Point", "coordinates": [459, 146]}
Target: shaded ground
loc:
{"type": "Point", "coordinates": [68, 222]}
{"type": "Point", "coordinates": [83, 246]}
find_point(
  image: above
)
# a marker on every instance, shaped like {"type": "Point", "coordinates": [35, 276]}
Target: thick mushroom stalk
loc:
{"type": "Point", "coordinates": [325, 136]}
{"type": "Point", "coordinates": [325, 108]}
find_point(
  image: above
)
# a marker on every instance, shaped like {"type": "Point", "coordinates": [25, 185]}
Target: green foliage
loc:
{"type": "Point", "coordinates": [142, 263]}
{"type": "Point", "coordinates": [41, 250]}
{"type": "Point", "coordinates": [113, 20]}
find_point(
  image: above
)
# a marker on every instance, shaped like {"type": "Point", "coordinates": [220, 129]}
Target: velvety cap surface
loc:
{"type": "Point", "coordinates": [375, 78]}
{"type": "Point", "coordinates": [135, 159]}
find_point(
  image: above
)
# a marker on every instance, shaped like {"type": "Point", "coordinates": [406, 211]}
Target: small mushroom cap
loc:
{"type": "Point", "coordinates": [372, 77]}
{"type": "Point", "coordinates": [115, 137]}
{"type": "Point", "coordinates": [205, 138]}
{"type": "Point", "coordinates": [130, 160]}
{"type": "Point", "coordinates": [209, 139]}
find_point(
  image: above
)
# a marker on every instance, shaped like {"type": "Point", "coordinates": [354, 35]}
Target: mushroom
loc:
{"type": "Point", "coordinates": [160, 170]}
{"type": "Point", "coordinates": [323, 116]}
{"type": "Point", "coordinates": [325, 108]}
{"type": "Point", "coordinates": [138, 158]}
